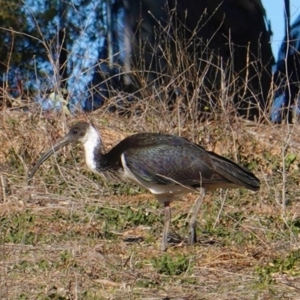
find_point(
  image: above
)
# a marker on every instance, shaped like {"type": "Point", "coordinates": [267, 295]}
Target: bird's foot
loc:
{"type": "Point", "coordinates": [172, 239]}
{"type": "Point", "coordinates": [133, 239]}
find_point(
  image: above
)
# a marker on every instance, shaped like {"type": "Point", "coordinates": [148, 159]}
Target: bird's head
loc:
{"type": "Point", "coordinates": [80, 132]}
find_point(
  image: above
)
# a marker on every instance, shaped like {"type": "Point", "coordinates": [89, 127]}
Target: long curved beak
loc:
{"type": "Point", "coordinates": [61, 143]}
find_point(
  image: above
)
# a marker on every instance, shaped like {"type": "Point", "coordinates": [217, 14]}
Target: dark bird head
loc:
{"type": "Point", "coordinates": [78, 133]}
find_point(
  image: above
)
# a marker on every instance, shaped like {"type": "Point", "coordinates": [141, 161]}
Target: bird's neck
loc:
{"type": "Point", "coordinates": [92, 148]}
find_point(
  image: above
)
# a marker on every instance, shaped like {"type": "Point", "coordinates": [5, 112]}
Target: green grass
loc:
{"type": "Point", "coordinates": [168, 264]}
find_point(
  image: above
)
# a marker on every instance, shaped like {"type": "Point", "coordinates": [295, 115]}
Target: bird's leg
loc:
{"type": "Point", "coordinates": [192, 238]}
{"type": "Point", "coordinates": [167, 219]}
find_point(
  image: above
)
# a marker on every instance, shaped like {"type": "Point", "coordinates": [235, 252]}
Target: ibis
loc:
{"type": "Point", "coordinates": [168, 166]}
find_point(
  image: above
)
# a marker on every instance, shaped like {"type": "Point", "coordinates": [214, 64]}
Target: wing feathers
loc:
{"type": "Point", "coordinates": [167, 159]}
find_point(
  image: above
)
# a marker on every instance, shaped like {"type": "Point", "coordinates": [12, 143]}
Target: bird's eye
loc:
{"type": "Point", "coordinates": [75, 131]}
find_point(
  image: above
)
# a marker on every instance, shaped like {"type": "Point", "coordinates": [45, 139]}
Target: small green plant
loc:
{"type": "Point", "coordinates": [123, 217]}
{"type": "Point", "coordinates": [146, 283]}
{"type": "Point", "coordinates": [172, 265]}
{"type": "Point", "coordinates": [288, 265]}
{"type": "Point", "coordinates": [67, 259]}
{"type": "Point", "coordinates": [265, 275]}
{"type": "Point", "coordinates": [140, 216]}
{"type": "Point", "coordinates": [17, 228]}
{"type": "Point", "coordinates": [22, 297]}
{"type": "Point", "coordinates": [25, 266]}
{"type": "Point", "coordinates": [289, 159]}
{"type": "Point", "coordinates": [273, 161]}
{"type": "Point", "coordinates": [295, 226]}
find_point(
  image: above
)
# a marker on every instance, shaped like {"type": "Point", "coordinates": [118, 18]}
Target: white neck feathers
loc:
{"type": "Point", "coordinates": [91, 143]}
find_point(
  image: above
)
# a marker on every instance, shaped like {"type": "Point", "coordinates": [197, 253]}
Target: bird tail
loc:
{"type": "Point", "coordinates": [234, 172]}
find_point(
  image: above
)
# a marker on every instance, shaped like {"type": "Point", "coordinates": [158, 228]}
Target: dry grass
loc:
{"type": "Point", "coordinates": [70, 235]}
